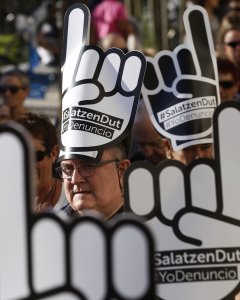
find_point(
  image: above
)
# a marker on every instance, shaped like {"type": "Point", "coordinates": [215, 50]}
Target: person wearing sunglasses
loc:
{"type": "Point", "coordinates": [49, 189]}
{"type": "Point", "coordinates": [14, 89]}
{"type": "Point", "coordinates": [95, 186]}
{"type": "Point", "coordinates": [229, 39]}
{"type": "Point", "coordinates": [232, 45]}
{"type": "Point", "coordinates": [228, 79]}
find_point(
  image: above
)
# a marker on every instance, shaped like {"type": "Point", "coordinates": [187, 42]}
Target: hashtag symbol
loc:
{"type": "Point", "coordinates": [162, 115]}
{"type": "Point", "coordinates": [167, 125]}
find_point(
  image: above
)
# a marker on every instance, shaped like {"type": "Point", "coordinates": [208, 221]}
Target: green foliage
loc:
{"type": "Point", "coordinates": [12, 49]}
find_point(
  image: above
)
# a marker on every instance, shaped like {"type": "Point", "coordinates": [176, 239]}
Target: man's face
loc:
{"type": "Point", "coordinates": [232, 45]}
{"type": "Point", "coordinates": [228, 86]}
{"type": "Point", "coordinates": [193, 152]}
{"type": "Point", "coordinates": [149, 142]}
{"type": "Point", "coordinates": [12, 91]}
{"type": "Point", "coordinates": [101, 191]}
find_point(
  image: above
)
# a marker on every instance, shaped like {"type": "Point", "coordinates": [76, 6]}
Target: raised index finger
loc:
{"type": "Point", "coordinates": [198, 32]}
{"type": "Point", "coordinates": [14, 254]}
{"type": "Point", "coordinates": [75, 36]}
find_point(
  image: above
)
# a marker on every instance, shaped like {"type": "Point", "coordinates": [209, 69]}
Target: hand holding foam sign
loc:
{"type": "Point", "coordinates": [100, 89]}
{"type": "Point", "coordinates": [181, 87]}
{"type": "Point", "coordinates": [194, 212]}
{"type": "Point", "coordinates": [44, 258]}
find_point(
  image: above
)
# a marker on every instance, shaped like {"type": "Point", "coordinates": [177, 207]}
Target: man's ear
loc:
{"type": "Point", "coordinates": [122, 166]}
{"type": "Point", "coordinates": [168, 148]}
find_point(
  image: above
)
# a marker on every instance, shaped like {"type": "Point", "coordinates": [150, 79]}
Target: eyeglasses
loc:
{"type": "Point", "coordinates": [227, 84]}
{"type": "Point", "coordinates": [14, 89]}
{"type": "Point", "coordinates": [40, 155]}
{"type": "Point", "coordinates": [86, 170]}
{"type": "Point", "coordinates": [233, 44]}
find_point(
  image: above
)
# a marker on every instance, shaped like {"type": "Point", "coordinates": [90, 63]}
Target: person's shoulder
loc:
{"type": "Point", "coordinates": [69, 212]}
{"type": "Point", "coordinates": [118, 212]}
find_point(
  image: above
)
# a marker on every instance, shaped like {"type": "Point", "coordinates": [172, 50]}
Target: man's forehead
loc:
{"type": "Point", "coordinates": [106, 154]}
{"type": "Point", "coordinates": [75, 161]}
{"type": "Point", "coordinates": [232, 33]}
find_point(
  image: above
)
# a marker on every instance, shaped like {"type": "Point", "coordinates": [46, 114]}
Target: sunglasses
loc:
{"type": "Point", "coordinates": [40, 155]}
{"type": "Point", "coordinates": [226, 84]}
{"type": "Point", "coordinates": [11, 88]}
{"type": "Point", "coordinates": [233, 44]}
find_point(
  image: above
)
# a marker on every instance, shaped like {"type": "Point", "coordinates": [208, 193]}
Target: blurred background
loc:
{"type": "Point", "coordinates": [27, 25]}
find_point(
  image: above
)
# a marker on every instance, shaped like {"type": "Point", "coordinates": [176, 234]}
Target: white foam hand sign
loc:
{"type": "Point", "coordinates": [180, 87]}
{"type": "Point", "coordinates": [194, 212]}
{"type": "Point", "coordinates": [100, 89]}
{"type": "Point", "coordinates": [44, 258]}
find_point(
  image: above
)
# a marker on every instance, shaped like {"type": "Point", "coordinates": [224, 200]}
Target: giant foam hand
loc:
{"type": "Point", "coordinates": [100, 89]}
{"type": "Point", "coordinates": [42, 257]}
{"type": "Point", "coordinates": [194, 212]}
{"type": "Point", "coordinates": [180, 88]}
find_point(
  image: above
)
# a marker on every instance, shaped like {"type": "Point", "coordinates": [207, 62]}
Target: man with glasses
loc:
{"type": "Point", "coordinates": [148, 143]}
{"type": "Point", "coordinates": [95, 186]}
{"type": "Point", "coordinates": [228, 79]}
{"type": "Point", "coordinates": [230, 38]}
{"type": "Point", "coordinates": [100, 92]}
{"type": "Point", "coordinates": [14, 89]}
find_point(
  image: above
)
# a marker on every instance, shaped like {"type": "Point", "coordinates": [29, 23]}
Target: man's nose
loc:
{"type": "Point", "coordinates": [147, 150]}
{"type": "Point", "coordinates": [77, 177]}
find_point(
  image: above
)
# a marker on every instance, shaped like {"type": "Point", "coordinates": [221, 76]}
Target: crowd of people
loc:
{"type": "Point", "coordinates": [73, 185]}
